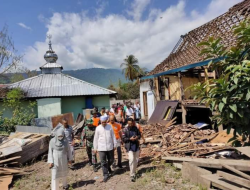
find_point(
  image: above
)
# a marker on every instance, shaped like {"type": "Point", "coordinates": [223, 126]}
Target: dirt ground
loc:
{"type": "Point", "coordinates": [150, 176]}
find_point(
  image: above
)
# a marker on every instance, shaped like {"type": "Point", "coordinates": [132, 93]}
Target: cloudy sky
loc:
{"type": "Point", "coordinates": [100, 33]}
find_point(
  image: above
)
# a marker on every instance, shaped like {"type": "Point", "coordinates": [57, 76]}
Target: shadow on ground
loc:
{"type": "Point", "coordinates": [82, 183]}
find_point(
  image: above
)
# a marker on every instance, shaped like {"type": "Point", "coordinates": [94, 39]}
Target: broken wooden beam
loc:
{"type": "Point", "coordinates": [236, 171]}
{"type": "Point", "coordinates": [241, 165]}
{"type": "Point", "coordinates": [221, 183]}
{"type": "Point", "coordinates": [193, 173]}
{"type": "Point", "coordinates": [234, 178]}
{"type": "Point", "coordinates": [9, 159]}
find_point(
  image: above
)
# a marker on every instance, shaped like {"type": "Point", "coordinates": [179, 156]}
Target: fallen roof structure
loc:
{"type": "Point", "coordinates": [186, 51]}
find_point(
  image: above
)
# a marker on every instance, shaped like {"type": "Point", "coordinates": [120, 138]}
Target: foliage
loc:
{"type": "Point", "coordinates": [229, 94]}
{"type": "Point", "coordinates": [131, 68]}
{"type": "Point", "coordinates": [20, 115]}
{"type": "Point", "coordinates": [16, 77]}
{"type": "Point", "coordinates": [130, 90]}
{"type": "Point", "coordinates": [8, 54]}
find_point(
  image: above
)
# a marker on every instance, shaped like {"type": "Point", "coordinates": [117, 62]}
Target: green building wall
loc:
{"type": "Point", "coordinates": [69, 104]}
{"type": "Point", "coordinates": [73, 104]}
{"type": "Point", "coordinates": [77, 104]}
{"type": "Point", "coordinates": [101, 101]}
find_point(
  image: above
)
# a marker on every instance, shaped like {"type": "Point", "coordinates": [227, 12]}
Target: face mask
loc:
{"type": "Point", "coordinates": [60, 138]}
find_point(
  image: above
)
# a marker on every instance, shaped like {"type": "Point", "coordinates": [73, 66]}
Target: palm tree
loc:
{"type": "Point", "coordinates": [131, 68]}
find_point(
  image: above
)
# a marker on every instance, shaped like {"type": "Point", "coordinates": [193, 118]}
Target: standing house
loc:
{"type": "Point", "coordinates": [184, 66]}
{"type": "Point", "coordinates": [57, 93]}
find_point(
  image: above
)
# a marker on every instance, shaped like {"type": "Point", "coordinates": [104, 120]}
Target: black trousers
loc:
{"type": "Point", "coordinates": [107, 159]}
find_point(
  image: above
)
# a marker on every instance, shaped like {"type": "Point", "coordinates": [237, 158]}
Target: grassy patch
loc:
{"type": "Point", "coordinates": [163, 176]}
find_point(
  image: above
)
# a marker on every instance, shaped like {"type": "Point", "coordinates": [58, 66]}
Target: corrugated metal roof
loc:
{"type": "Point", "coordinates": [51, 65]}
{"type": "Point", "coordinates": [57, 85]}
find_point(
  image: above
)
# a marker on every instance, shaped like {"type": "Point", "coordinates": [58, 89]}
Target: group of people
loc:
{"type": "Point", "coordinates": [103, 134]}
{"type": "Point", "coordinates": [121, 111]}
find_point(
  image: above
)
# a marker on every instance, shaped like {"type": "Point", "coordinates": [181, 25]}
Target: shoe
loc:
{"type": "Point", "coordinates": [105, 179]}
{"type": "Point", "coordinates": [132, 179]}
{"type": "Point", "coordinates": [95, 169]}
{"type": "Point", "coordinates": [120, 166]}
{"type": "Point", "coordinates": [90, 164]}
{"type": "Point", "coordinates": [113, 166]}
{"type": "Point", "coordinates": [66, 187]}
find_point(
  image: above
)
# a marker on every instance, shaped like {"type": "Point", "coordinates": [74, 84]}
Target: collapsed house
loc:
{"type": "Point", "coordinates": [57, 93]}
{"type": "Point", "coordinates": [184, 67]}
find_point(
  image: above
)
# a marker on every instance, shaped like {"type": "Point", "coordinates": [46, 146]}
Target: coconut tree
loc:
{"type": "Point", "coordinates": [130, 68]}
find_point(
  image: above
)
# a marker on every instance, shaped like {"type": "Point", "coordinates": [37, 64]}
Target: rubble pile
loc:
{"type": "Point", "coordinates": [181, 140]}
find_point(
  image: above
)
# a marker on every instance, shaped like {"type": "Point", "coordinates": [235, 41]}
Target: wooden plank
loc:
{"type": "Point", "coordinates": [193, 173]}
{"type": "Point", "coordinates": [58, 119]}
{"type": "Point", "coordinates": [5, 181]}
{"type": "Point", "coordinates": [242, 165]}
{"type": "Point", "coordinates": [207, 80]}
{"type": "Point", "coordinates": [236, 171]}
{"type": "Point", "coordinates": [218, 182]}
{"type": "Point", "coordinates": [153, 141]}
{"type": "Point", "coordinates": [10, 159]}
{"type": "Point", "coordinates": [183, 109]}
{"type": "Point", "coordinates": [11, 149]}
{"type": "Point", "coordinates": [32, 150]}
{"type": "Point", "coordinates": [244, 150]}
{"type": "Point", "coordinates": [234, 179]}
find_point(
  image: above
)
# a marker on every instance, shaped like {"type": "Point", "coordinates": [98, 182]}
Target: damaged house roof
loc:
{"type": "Point", "coordinates": [186, 51]}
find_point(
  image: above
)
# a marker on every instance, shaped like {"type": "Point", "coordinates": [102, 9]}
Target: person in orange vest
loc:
{"type": "Point", "coordinates": [117, 128]}
{"type": "Point", "coordinates": [96, 120]}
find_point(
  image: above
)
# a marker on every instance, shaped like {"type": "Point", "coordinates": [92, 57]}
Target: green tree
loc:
{"type": "Point", "coordinates": [20, 115]}
{"type": "Point", "coordinates": [130, 90]}
{"type": "Point", "coordinates": [229, 94]}
{"type": "Point", "coordinates": [131, 69]}
{"type": "Point", "coordinates": [16, 77]}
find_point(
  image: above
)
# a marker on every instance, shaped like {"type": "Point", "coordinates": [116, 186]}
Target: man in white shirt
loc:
{"type": "Point", "coordinates": [104, 143]}
{"type": "Point", "coordinates": [129, 112]}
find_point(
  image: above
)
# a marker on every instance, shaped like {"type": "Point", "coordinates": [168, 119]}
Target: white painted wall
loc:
{"type": "Point", "coordinates": [151, 102]}
{"type": "Point", "coordinates": [144, 87]}
{"type": "Point", "coordinates": [49, 107]}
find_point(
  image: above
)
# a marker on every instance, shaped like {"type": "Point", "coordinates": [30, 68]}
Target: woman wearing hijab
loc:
{"type": "Point", "coordinates": [59, 157]}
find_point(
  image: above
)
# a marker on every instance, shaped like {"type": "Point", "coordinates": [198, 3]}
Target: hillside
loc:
{"type": "Point", "coordinates": [98, 76]}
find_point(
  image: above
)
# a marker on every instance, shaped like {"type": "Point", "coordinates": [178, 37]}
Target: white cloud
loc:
{"type": "Point", "coordinates": [24, 26]}
{"type": "Point", "coordinates": [101, 5]}
{"type": "Point", "coordinates": [84, 42]}
{"type": "Point", "coordinates": [42, 18]}
{"type": "Point", "coordinates": [138, 7]}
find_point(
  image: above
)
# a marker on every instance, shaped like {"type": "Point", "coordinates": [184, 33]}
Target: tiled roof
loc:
{"type": "Point", "coordinates": [186, 51]}
{"type": "Point", "coordinates": [58, 85]}
{"type": "Point", "coordinates": [3, 85]}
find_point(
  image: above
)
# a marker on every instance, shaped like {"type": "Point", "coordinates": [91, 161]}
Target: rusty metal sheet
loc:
{"type": "Point", "coordinates": [163, 112]}
{"type": "Point", "coordinates": [58, 119]}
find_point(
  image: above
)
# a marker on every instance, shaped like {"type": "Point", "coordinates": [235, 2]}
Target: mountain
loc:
{"type": "Point", "coordinates": [98, 76]}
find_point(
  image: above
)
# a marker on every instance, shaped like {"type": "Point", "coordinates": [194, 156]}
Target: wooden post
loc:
{"type": "Point", "coordinates": [157, 89]}
{"type": "Point", "coordinates": [184, 112]}
{"type": "Point", "coordinates": [206, 80]}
